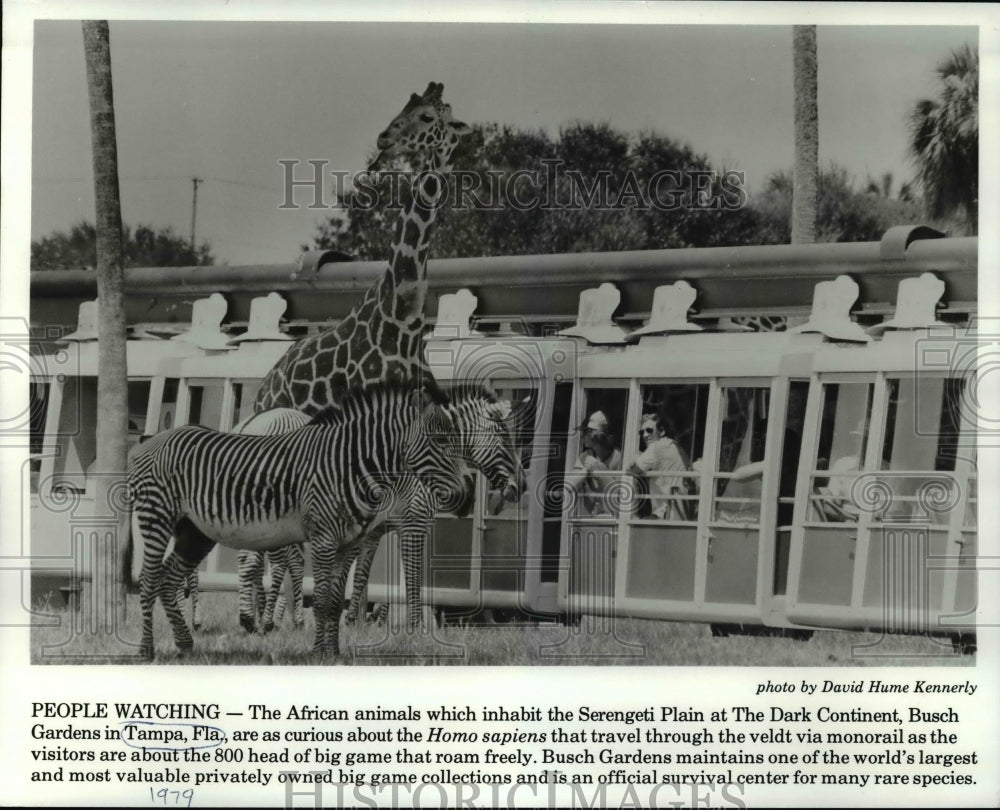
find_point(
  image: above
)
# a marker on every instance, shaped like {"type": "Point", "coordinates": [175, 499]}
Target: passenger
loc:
{"type": "Point", "coordinates": [655, 464]}
{"type": "Point", "coordinates": [599, 457]}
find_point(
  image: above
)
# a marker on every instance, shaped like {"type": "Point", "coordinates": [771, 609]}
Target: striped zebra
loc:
{"type": "Point", "coordinates": [326, 483]}
{"type": "Point", "coordinates": [257, 607]}
{"type": "Point", "coordinates": [485, 442]}
{"type": "Point", "coordinates": [189, 586]}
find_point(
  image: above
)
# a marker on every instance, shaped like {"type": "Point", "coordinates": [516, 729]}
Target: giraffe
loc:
{"type": "Point", "coordinates": [380, 340]}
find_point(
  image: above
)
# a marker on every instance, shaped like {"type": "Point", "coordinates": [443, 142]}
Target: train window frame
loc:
{"type": "Point", "coordinates": [185, 400]}
{"type": "Point", "coordinates": [580, 413]}
{"type": "Point", "coordinates": [750, 506]}
{"type": "Point", "coordinates": [822, 502]}
{"type": "Point", "coordinates": [695, 473]}
{"type": "Point", "coordinates": [911, 498]}
{"type": "Point", "coordinates": [493, 506]}
{"type": "Point", "coordinates": [237, 413]}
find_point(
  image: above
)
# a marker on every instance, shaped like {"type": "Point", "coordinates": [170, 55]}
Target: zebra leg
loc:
{"type": "Point", "coordinates": [322, 565]}
{"type": "Point", "coordinates": [175, 572]}
{"type": "Point", "coordinates": [331, 563]}
{"type": "Point", "coordinates": [297, 572]}
{"type": "Point", "coordinates": [249, 572]}
{"type": "Point", "coordinates": [156, 533]}
{"type": "Point", "coordinates": [191, 590]}
{"type": "Point", "coordinates": [190, 548]}
{"type": "Point", "coordinates": [274, 608]}
{"type": "Point", "coordinates": [413, 535]}
{"type": "Point", "coordinates": [367, 547]}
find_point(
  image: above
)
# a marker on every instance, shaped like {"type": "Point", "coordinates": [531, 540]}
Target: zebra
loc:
{"type": "Point", "coordinates": [189, 586]}
{"type": "Point", "coordinates": [326, 483]}
{"type": "Point", "coordinates": [485, 442]}
{"type": "Point", "coordinates": [254, 604]}
{"type": "Point", "coordinates": [253, 601]}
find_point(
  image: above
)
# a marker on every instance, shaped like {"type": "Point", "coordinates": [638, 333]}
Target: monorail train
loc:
{"type": "Point", "coordinates": [829, 441]}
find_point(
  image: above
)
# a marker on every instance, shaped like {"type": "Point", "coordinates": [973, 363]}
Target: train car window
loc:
{"type": "Point", "coordinates": [843, 436]}
{"type": "Point", "coordinates": [597, 471]}
{"type": "Point", "coordinates": [244, 394]}
{"type": "Point", "coordinates": [168, 406]}
{"type": "Point", "coordinates": [76, 433]}
{"type": "Point", "coordinates": [554, 505]}
{"type": "Point", "coordinates": [38, 404]}
{"type": "Point", "coordinates": [520, 423]}
{"type": "Point", "coordinates": [671, 443]}
{"type": "Point", "coordinates": [206, 403]}
{"type": "Point", "coordinates": [798, 392]}
{"type": "Point", "coordinates": [971, 521]}
{"type": "Point", "coordinates": [138, 405]}
{"type": "Point", "coordinates": [743, 432]}
{"type": "Point", "coordinates": [922, 428]}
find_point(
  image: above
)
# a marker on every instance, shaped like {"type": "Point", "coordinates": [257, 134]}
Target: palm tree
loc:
{"type": "Point", "coordinates": [805, 178]}
{"type": "Point", "coordinates": [112, 397]}
{"type": "Point", "coordinates": [944, 140]}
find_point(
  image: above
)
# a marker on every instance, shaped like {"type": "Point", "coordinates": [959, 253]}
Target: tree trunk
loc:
{"type": "Point", "coordinates": [107, 593]}
{"type": "Point", "coordinates": [804, 183]}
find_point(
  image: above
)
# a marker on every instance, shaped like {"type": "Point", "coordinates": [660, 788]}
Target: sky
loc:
{"type": "Point", "coordinates": [225, 101]}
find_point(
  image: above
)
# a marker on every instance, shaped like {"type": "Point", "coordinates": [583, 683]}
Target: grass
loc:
{"type": "Point", "coordinates": [59, 639]}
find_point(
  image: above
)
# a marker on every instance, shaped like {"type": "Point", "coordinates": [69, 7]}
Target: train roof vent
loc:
{"type": "Point", "coordinates": [671, 304]}
{"type": "Point", "coordinates": [831, 311]}
{"type": "Point", "coordinates": [206, 316]}
{"type": "Point", "coordinates": [265, 317]}
{"type": "Point", "coordinates": [86, 323]}
{"type": "Point", "coordinates": [593, 319]}
{"type": "Point", "coordinates": [310, 261]}
{"type": "Point", "coordinates": [916, 305]}
{"type": "Point", "coordinates": [897, 239]}
{"type": "Point", "coordinates": [455, 315]}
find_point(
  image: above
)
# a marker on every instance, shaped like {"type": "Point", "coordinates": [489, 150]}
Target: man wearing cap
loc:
{"type": "Point", "coordinates": [600, 456]}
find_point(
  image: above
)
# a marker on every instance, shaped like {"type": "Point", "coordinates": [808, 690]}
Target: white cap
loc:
{"type": "Point", "coordinates": [598, 421]}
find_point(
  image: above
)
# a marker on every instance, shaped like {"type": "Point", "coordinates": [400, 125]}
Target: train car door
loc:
{"type": "Point", "coordinates": [594, 492]}
{"type": "Point", "coordinates": [504, 525]}
{"type": "Point", "coordinates": [662, 572]}
{"type": "Point", "coordinates": [693, 542]}
{"type": "Point", "coordinates": [885, 502]}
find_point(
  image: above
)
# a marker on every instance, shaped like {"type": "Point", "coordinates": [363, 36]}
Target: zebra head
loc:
{"type": "Point", "coordinates": [485, 440]}
{"type": "Point", "coordinates": [433, 452]}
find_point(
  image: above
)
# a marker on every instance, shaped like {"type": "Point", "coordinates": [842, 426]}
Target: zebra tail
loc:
{"type": "Point", "coordinates": [126, 555]}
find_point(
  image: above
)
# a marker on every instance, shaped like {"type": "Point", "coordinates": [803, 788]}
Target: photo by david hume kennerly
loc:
{"type": "Point", "coordinates": [503, 361]}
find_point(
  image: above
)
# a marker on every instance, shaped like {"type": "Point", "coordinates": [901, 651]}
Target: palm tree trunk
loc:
{"type": "Point", "coordinates": [107, 594]}
{"type": "Point", "coordinates": [804, 183]}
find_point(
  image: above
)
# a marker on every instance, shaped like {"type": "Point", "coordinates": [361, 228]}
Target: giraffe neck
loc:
{"type": "Point", "coordinates": [411, 237]}
{"type": "Point", "coordinates": [381, 338]}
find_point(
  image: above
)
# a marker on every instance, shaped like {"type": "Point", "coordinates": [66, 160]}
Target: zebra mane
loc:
{"type": "Point", "coordinates": [357, 401]}
{"type": "Point", "coordinates": [465, 390]}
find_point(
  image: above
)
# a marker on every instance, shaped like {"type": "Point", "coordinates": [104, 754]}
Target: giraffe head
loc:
{"type": "Point", "coordinates": [424, 132]}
